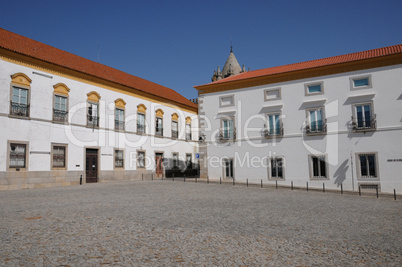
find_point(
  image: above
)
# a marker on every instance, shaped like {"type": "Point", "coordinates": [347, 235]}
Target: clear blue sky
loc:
{"type": "Point", "coordinates": [179, 44]}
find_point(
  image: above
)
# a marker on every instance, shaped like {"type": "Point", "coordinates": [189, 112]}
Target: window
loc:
{"type": "Point", "coordinates": [318, 167]}
{"type": "Point", "coordinates": [272, 94]}
{"type": "Point", "coordinates": [18, 155]}
{"type": "Point", "coordinates": [175, 160]}
{"type": "Point", "coordinates": [140, 123]}
{"type": "Point", "coordinates": [119, 112]}
{"type": "Point", "coordinates": [140, 159]}
{"type": "Point", "coordinates": [119, 119]}
{"type": "Point", "coordinates": [226, 101]}
{"type": "Point", "coordinates": [316, 122]}
{"type": "Point", "coordinates": [277, 168]}
{"type": "Point", "coordinates": [60, 103]}
{"type": "Point", "coordinates": [119, 158]}
{"type": "Point", "coordinates": [364, 118]}
{"type": "Point", "coordinates": [141, 111]}
{"type": "Point", "coordinates": [159, 122]}
{"type": "Point", "coordinates": [93, 109]}
{"type": "Point", "coordinates": [175, 132]}
{"type": "Point", "coordinates": [314, 89]}
{"type": "Point", "coordinates": [58, 156]}
{"type": "Point", "coordinates": [93, 115]}
{"type": "Point", "coordinates": [273, 126]}
{"type": "Point", "coordinates": [227, 131]}
{"type": "Point", "coordinates": [367, 165]}
{"type": "Point", "coordinates": [60, 109]}
{"type": "Point", "coordinates": [159, 127]}
{"type": "Point", "coordinates": [189, 164]}
{"type": "Point", "coordinates": [188, 131]}
{"type": "Point", "coordinates": [20, 86]}
{"type": "Point", "coordinates": [361, 82]}
{"type": "Point", "coordinates": [19, 102]}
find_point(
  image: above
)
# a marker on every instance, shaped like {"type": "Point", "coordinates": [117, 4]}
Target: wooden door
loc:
{"type": "Point", "coordinates": [159, 166]}
{"type": "Point", "coordinates": [91, 168]}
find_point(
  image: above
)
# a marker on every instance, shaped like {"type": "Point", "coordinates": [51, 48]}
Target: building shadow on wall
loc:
{"type": "Point", "coordinates": [340, 174]}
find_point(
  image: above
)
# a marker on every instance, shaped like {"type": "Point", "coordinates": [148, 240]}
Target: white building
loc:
{"type": "Point", "coordinates": [63, 117]}
{"type": "Point", "coordinates": [327, 122]}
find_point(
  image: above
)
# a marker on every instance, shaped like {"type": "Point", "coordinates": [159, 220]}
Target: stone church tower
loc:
{"type": "Point", "coordinates": [231, 67]}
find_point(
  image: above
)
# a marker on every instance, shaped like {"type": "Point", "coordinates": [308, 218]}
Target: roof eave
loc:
{"type": "Point", "coordinates": [329, 69]}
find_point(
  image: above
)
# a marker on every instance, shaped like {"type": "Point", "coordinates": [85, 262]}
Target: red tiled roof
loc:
{"type": "Point", "coordinates": [385, 51]}
{"type": "Point", "coordinates": [43, 52]}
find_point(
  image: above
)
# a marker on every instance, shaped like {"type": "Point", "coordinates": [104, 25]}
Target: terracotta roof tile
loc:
{"type": "Point", "coordinates": [43, 52]}
{"type": "Point", "coordinates": [385, 51]}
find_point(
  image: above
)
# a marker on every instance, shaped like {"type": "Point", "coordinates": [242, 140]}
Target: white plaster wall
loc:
{"type": "Point", "coordinates": [40, 132]}
{"type": "Point", "coordinates": [385, 93]}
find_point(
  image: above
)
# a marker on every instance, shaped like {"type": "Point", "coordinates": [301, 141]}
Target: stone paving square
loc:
{"type": "Point", "coordinates": [166, 223]}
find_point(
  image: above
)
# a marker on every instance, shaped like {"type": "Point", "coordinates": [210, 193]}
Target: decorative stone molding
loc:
{"type": "Point", "coordinates": [175, 117]}
{"type": "Point", "coordinates": [120, 103]}
{"type": "Point", "coordinates": [93, 97]}
{"type": "Point", "coordinates": [159, 113]}
{"type": "Point", "coordinates": [21, 79]}
{"type": "Point", "coordinates": [61, 89]}
{"type": "Point", "coordinates": [141, 108]}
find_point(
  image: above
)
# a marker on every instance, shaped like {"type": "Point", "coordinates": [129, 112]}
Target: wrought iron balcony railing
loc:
{"type": "Point", "coordinates": [316, 128]}
{"type": "Point", "coordinates": [159, 131]}
{"type": "Point", "coordinates": [93, 121]}
{"type": "Point", "coordinates": [225, 136]}
{"type": "Point", "coordinates": [18, 109]}
{"type": "Point", "coordinates": [119, 125]}
{"type": "Point", "coordinates": [270, 133]}
{"type": "Point", "coordinates": [368, 124]}
{"type": "Point", "coordinates": [60, 115]}
{"type": "Point", "coordinates": [188, 136]}
{"type": "Point", "coordinates": [140, 128]}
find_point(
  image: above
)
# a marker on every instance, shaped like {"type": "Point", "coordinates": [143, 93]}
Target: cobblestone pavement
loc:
{"type": "Point", "coordinates": [165, 223]}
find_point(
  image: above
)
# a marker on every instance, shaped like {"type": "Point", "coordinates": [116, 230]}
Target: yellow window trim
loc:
{"type": "Point", "coordinates": [21, 79]}
{"type": "Point", "coordinates": [120, 103]}
{"type": "Point", "coordinates": [93, 97]}
{"type": "Point", "coordinates": [61, 89]}
{"type": "Point", "coordinates": [175, 117]}
{"type": "Point", "coordinates": [188, 120]}
{"type": "Point", "coordinates": [159, 113]}
{"type": "Point", "coordinates": [141, 108]}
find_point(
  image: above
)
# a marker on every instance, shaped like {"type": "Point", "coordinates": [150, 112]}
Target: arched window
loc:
{"type": "Point", "coordinates": [60, 103]}
{"type": "Point", "coordinates": [20, 95]}
{"type": "Point", "coordinates": [175, 125]}
{"type": "Point", "coordinates": [159, 122]}
{"type": "Point", "coordinates": [119, 121]}
{"type": "Point", "coordinates": [141, 111]}
{"type": "Point", "coordinates": [188, 128]}
{"type": "Point", "coordinates": [93, 109]}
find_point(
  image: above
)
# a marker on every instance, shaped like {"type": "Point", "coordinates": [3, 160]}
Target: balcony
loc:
{"type": "Point", "coordinates": [316, 128]}
{"type": "Point", "coordinates": [159, 131]}
{"type": "Point", "coordinates": [60, 116]}
{"type": "Point", "coordinates": [224, 136]}
{"type": "Point", "coordinates": [272, 133]}
{"type": "Point", "coordinates": [175, 134]}
{"type": "Point", "coordinates": [93, 121]}
{"type": "Point", "coordinates": [140, 129]}
{"type": "Point", "coordinates": [119, 125]}
{"type": "Point", "coordinates": [18, 109]}
{"type": "Point", "coordinates": [364, 125]}
{"type": "Point", "coordinates": [188, 136]}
